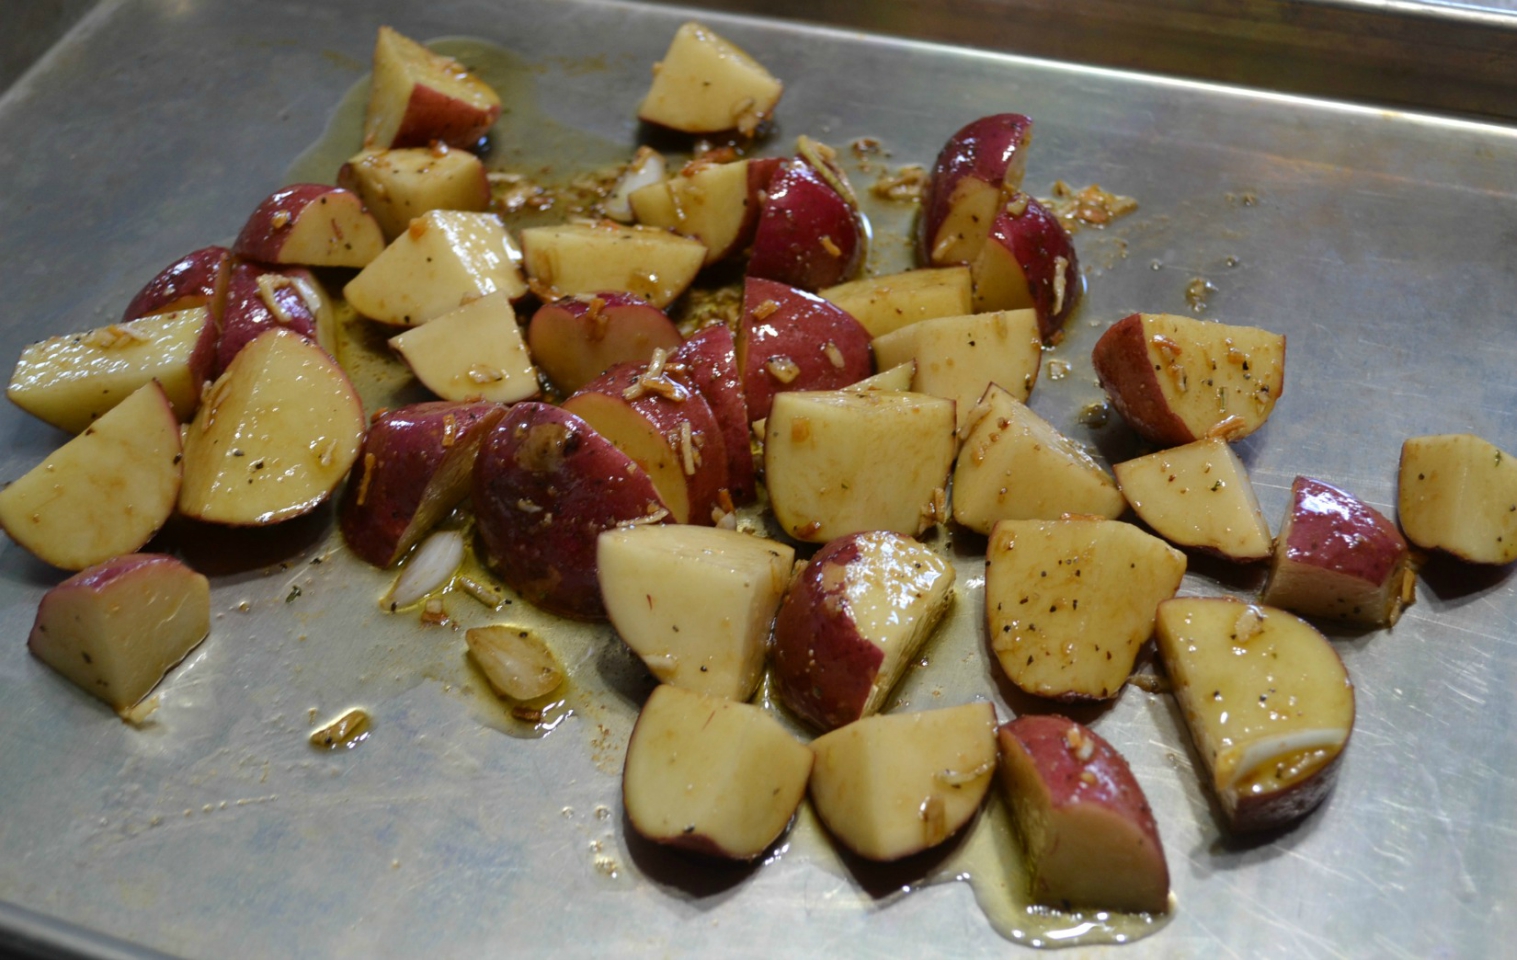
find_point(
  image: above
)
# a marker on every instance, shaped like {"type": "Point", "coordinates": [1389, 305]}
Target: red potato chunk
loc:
{"type": "Point", "coordinates": [1340, 558]}
{"type": "Point", "coordinates": [793, 340]}
{"type": "Point", "coordinates": [545, 485]}
{"type": "Point", "coordinates": [978, 163]}
{"type": "Point", "coordinates": [707, 362]}
{"type": "Point", "coordinates": [1085, 825]}
{"type": "Point", "coordinates": [809, 236]}
{"type": "Point", "coordinates": [398, 186]}
{"type": "Point", "coordinates": [198, 279]}
{"type": "Point", "coordinates": [667, 428]}
{"type": "Point", "coordinates": [576, 339]}
{"type": "Point", "coordinates": [852, 622]}
{"type": "Point", "coordinates": [417, 97]}
{"type": "Point", "coordinates": [260, 299]}
{"type": "Point", "coordinates": [106, 492]}
{"type": "Point", "coordinates": [416, 465]}
{"type": "Point", "coordinates": [1458, 493]}
{"type": "Point", "coordinates": [707, 84]}
{"type": "Point", "coordinates": [1028, 261]}
{"type": "Point", "coordinates": [313, 225]}
{"type": "Point", "coordinates": [115, 629]}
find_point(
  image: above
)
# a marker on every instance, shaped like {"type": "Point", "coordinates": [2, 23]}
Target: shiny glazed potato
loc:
{"type": "Point", "coordinates": [416, 465]}
{"type": "Point", "coordinates": [1028, 262]}
{"type": "Point", "coordinates": [576, 339]}
{"type": "Point", "coordinates": [1086, 827]}
{"type": "Point", "coordinates": [116, 628]}
{"type": "Point", "coordinates": [852, 621]}
{"type": "Point", "coordinates": [1198, 495]}
{"type": "Point", "coordinates": [545, 484]}
{"type": "Point", "coordinates": [789, 339]}
{"type": "Point", "coordinates": [1458, 493]}
{"type": "Point", "coordinates": [809, 235]}
{"type": "Point", "coordinates": [1267, 701]}
{"type": "Point", "coordinates": [889, 786]}
{"type": "Point", "coordinates": [311, 225]}
{"type": "Point", "coordinates": [707, 84]}
{"type": "Point", "coordinates": [978, 163]}
{"type": "Point", "coordinates": [398, 186]}
{"type": "Point", "coordinates": [418, 97]}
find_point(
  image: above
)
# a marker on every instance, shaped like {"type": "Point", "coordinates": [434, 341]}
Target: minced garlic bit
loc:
{"type": "Point", "coordinates": [1089, 206]}
{"type": "Point", "coordinates": [1060, 283]}
{"type": "Point", "coordinates": [687, 448]}
{"type": "Point", "coordinates": [479, 373]}
{"type": "Point", "coordinates": [269, 285]}
{"type": "Point", "coordinates": [366, 478]}
{"type": "Point", "coordinates": [1080, 744]}
{"type": "Point", "coordinates": [417, 228]}
{"type": "Point", "coordinates": [527, 506]}
{"type": "Point", "coordinates": [325, 449]}
{"type": "Point", "coordinates": [114, 336]}
{"type": "Point", "coordinates": [783, 369]}
{"type": "Point", "coordinates": [654, 515]}
{"type": "Point", "coordinates": [486, 593]}
{"type": "Point", "coordinates": [1250, 624]}
{"type": "Point", "coordinates": [958, 778]}
{"type": "Point", "coordinates": [1017, 205]}
{"type": "Point", "coordinates": [280, 219]}
{"type": "Point", "coordinates": [834, 355]}
{"type": "Point", "coordinates": [433, 613]}
{"type": "Point", "coordinates": [833, 250]}
{"type": "Point", "coordinates": [1196, 292]}
{"type": "Point", "coordinates": [765, 310]}
{"type": "Point", "coordinates": [655, 380]}
{"type": "Point", "coordinates": [449, 430]}
{"type": "Point", "coordinates": [906, 184]}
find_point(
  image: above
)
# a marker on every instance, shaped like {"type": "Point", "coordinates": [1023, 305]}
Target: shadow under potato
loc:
{"type": "Point", "coordinates": [217, 551]}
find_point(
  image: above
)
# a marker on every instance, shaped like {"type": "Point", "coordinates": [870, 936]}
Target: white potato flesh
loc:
{"type": "Point", "coordinates": [958, 357]}
{"type": "Point", "coordinates": [593, 258]}
{"type": "Point", "coordinates": [708, 202]}
{"type": "Point", "coordinates": [897, 379]}
{"type": "Point", "coordinates": [706, 84]}
{"type": "Point", "coordinates": [886, 303]}
{"type": "Point", "coordinates": [1068, 603]}
{"type": "Point", "coordinates": [1015, 466]}
{"type": "Point", "coordinates": [1267, 701]}
{"type": "Point", "coordinates": [476, 351]}
{"type": "Point", "coordinates": [400, 185]}
{"type": "Point", "coordinates": [695, 603]}
{"type": "Point", "coordinates": [711, 775]}
{"type": "Point", "coordinates": [105, 492]}
{"type": "Point", "coordinates": [838, 462]}
{"type": "Point", "coordinates": [647, 166]}
{"type": "Point", "coordinates": [1458, 493]}
{"type": "Point", "coordinates": [70, 381]}
{"type": "Point", "coordinates": [892, 785]}
{"type": "Point", "coordinates": [443, 260]}
{"type": "Point", "coordinates": [1198, 495]}
{"type": "Point", "coordinates": [117, 628]}
{"type": "Point", "coordinates": [274, 437]}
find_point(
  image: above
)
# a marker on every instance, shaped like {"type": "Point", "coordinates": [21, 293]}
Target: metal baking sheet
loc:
{"type": "Point", "coordinates": [1381, 243]}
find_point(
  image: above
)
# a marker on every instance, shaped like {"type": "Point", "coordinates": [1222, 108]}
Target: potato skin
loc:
{"type": "Point", "coordinates": [707, 363]}
{"type": "Point", "coordinates": [410, 447]}
{"type": "Point", "coordinates": [828, 690]}
{"type": "Point", "coordinates": [782, 323]}
{"type": "Point", "coordinates": [808, 235]}
{"type": "Point", "coordinates": [983, 150]}
{"type": "Point", "coordinates": [196, 279]}
{"type": "Point", "coordinates": [1037, 240]}
{"type": "Point", "coordinates": [1127, 375]}
{"type": "Point", "coordinates": [545, 486]}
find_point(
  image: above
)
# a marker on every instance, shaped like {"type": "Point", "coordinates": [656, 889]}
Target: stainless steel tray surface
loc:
{"type": "Point", "coordinates": [1381, 243]}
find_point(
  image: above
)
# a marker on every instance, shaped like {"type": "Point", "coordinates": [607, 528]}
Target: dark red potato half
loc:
{"type": "Point", "coordinates": [198, 279]}
{"type": "Point", "coordinates": [545, 486]}
{"type": "Point", "coordinates": [311, 225]}
{"type": "Point", "coordinates": [808, 235]}
{"type": "Point", "coordinates": [793, 340]}
{"type": "Point", "coordinates": [977, 164]}
{"type": "Point", "coordinates": [415, 465]}
{"type": "Point", "coordinates": [1028, 261]}
{"type": "Point", "coordinates": [576, 339]}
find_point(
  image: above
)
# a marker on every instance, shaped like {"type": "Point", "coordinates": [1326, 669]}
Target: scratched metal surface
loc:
{"type": "Point", "coordinates": [1382, 244]}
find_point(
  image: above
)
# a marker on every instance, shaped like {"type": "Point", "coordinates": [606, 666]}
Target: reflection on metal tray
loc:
{"type": "Point", "coordinates": [1381, 244]}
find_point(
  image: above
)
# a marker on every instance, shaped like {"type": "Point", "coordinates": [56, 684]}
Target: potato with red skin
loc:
{"type": "Point", "coordinates": [966, 186]}
{"type": "Point", "coordinates": [707, 362]}
{"type": "Point", "coordinates": [808, 235]}
{"type": "Point", "coordinates": [715, 203]}
{"type": "Point", "coordinates": [397, 186]}
{"type": "Point", "coordinates": [1340, 558]}
{"type": "Point", "coordinates": [666, 428]}
{"type": "Point", "coordinates": [417, 97]}
{"type": "Point", "coordinates": [311, 225]}
{"type": "Point", "coordinates": [416, 464]}
{"type": "Point", "coordinates": [545, 486]}
{"type": "Point", "coordinates": [576, 339]}
{"type": "Point", "coordinates": [789, 339]}
{"type": "Point", "coordinates": [1268, 702]}
{"type": "Point", "coordinates": [1028, 261]}
{"type": "Point", "coordinates": [1087, 829]}
{"type": "Point", "coordinates": [259, 299]}
{"type": "Point", "coordinates": [1175, 379]}
{"type": "Point", "coordinates": [116, 628]}
{"type": "Point", "coordinates": [852, 621]}
{"type": "Point", "coordinates": [197, 279]}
